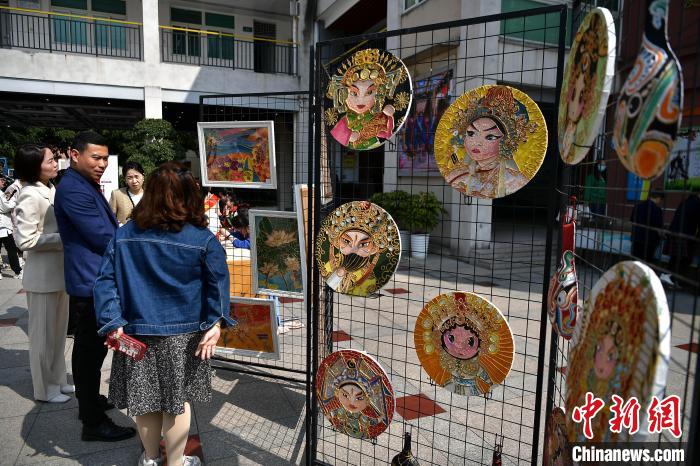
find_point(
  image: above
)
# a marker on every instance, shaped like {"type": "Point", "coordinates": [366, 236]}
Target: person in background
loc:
{"type": "Point", "coordinates": [123, 200]}
{"type": "Point", "coordinates": [594, 193]}
{"type": "Point", "coordinates": [682, 236]}
{"type": "Point", "coordinates": [240, 229]}
{"type": "Point", "coordinates": [87, 225]}
{"type": "Point", "coordinates": [164, 279]}
{"type": "Point", "coordinates": [7, 205]}
{"type": "Point", "coordinates": [647, 218]}
{"type": "Point", "coordinates": [47, 301]}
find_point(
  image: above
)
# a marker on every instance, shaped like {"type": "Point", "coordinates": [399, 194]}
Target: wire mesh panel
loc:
{"type": "Point", "coordinates": [289, 113]}
{"type": "Point", "coordinates": [498, 249]}
{"type": "Point", "coordinates": [615, 219]}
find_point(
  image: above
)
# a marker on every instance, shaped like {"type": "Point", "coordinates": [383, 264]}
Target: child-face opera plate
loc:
{"type": "Point", "coordinates": [464, 343]}
{"type": "Point", "coordinates": [588, 77]}
{"type": "Point", "coordinates": [358, 248]}
{"type": "Point", "coordinates": [371, 94]}
{"type": "Point", "coordinates": [491, 141]}
{"type": "Point", "coordinates": [355, 393]}
{"type": "Point", "coordinates": [623, 347]}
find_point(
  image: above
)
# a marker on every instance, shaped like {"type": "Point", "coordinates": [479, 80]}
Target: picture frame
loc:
{"type": "Point", "coordinates": [255, 335]}
{"type": "Point", "coordinates": [301, 201]}
{"type": "Point", "coordinates": [249, 165]}
{"type": "Point", "coordinates": [277, 263]}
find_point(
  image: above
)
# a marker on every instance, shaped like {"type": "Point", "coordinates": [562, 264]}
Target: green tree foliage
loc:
{"type": "Point", "coordinates": [150, 143]}
{"type": "Point", "coordinates": [12, 139]}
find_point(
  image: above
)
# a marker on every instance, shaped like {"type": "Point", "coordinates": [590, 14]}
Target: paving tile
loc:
{"type": "Point", "coordinates": [13, 431]}
{"type": "Point", "coordinates": [17, 399]}
{"type": "Point", "coordinates": [245, 445]}
{"type": "Point", "coordinates": [691, 347]}
{"type": "Point", "coordinates": [340, 335]}
{"type": "Point", "coordinates": [14, 355]}
{"type": "Point", "coordinates": [415, 406]}
{"type": "Point", "coordinates": [396, 290]}
{"type": "Point", "coordinates": [56, 435]}
{"type": "Point", "coordinates": [7, 322]}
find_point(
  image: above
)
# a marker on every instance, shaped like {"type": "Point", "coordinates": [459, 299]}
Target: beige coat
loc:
{"type": "Point", "coordinates": [37, 233]}
{"type": "Point", "coordinates": [121, 205]}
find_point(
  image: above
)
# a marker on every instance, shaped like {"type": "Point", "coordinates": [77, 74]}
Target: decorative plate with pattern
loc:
{"type": "Point", "coordinates": [355, 394]}
{"type": "Point", "coordinates": [491, 141]}
{"type": "Point", "coordinates": [371, 94]}
{"type": "Point", "coordinates": [464, 343]}
{"type": "Point", "coordinates": [588, 77]}
{"type": "Point", "coordinates": [358, 248]}
{"type": "Point", "coordinates": [623, 347]}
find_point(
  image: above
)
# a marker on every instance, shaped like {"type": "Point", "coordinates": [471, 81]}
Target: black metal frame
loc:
{"type": "Point", "coordinates": [372, 451]}
{"type": "Point", "coordinates": [591, 263]}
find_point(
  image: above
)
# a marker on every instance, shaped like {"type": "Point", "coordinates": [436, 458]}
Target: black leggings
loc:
{"type": "Point", "coordinates": [12, 251]}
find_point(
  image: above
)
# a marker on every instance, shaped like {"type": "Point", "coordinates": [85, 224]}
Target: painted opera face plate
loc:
{"type": "Point", "coordinates": [463, 343]}
{"type": "Point", "coordinates": [371, 94]}
{"type": "Point", "coordinates": [358, 248]}
{"type": "Point", "coordinates": [649, 109]}
{"type": "Point", "coordinates": [490, 142]}
{"type": "Point", "coordinates": [621, 347]}
{"type": "Point", "coordinates": [588, 77]}
{"type": "Point", "coordinates": [355, 394]}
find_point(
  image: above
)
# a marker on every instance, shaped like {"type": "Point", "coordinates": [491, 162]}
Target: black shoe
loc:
{"type": "Point", "coordinates": [105, 404]}
{"type": "Point", "coordinates": [107, 431]}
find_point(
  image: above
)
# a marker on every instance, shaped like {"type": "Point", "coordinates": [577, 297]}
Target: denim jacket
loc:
{"type": "Point", "coordinates": [154, 282]}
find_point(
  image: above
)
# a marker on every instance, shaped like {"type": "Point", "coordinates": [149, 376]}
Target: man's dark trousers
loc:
{"type": "Point", "coordinates": [88, 354]}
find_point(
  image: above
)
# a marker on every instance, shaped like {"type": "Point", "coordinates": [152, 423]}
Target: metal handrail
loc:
{"type": "Point", "coordinates": [70, 34]}
{"type": "Point", "coordinates": [180, 45]}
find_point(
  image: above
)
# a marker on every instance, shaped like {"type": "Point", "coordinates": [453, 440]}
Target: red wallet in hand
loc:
{"type": "Point", "coordinates": [127, 345]}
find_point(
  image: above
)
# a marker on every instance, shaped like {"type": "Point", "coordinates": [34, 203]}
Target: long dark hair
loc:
{"type": "Point", "coordinates": [171, 200]}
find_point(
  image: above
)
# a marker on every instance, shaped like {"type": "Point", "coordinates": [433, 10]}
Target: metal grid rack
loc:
{"type": "Point", "coordinates": [500, 250]}
{"type": "Point", "coordinates": [289, 111]}
{"type": "Point", "coordinates": [603, 239]}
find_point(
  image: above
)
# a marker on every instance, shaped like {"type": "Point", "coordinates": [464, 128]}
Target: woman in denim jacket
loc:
{"type": "Point", "coordinates": [164, 279]}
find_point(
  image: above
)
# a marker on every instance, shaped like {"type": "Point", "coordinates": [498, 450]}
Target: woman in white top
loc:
{"type": "Point", "coordinates": [37, 233]}
{"type": "Point", "coordinates": [124, 200]}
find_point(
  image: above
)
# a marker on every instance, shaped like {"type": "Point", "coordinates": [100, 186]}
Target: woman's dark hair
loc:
{"type": "Point", "coordinates": [171, 200]}
{"type": "Point", "coordinates": [28, 162]}
{"type": "Point", "coordinates": [132, 166]}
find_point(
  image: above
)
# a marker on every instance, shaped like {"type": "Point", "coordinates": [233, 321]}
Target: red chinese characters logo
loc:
{"type": "Point", "coordinates": [662, 414]}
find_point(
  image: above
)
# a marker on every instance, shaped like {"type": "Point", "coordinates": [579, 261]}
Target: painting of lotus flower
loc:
{"type": "Point", "coordinates": [278, 265]}
{"type": "Point", "coordinates": [237, 154]}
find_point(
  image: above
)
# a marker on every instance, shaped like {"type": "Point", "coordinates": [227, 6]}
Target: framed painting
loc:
{"type": "Point", "coordinates": [256, 332]}
{"type": "Point", "coordinates": [238, 154]}
{"type": "Point", "coordinates": [277, 262]}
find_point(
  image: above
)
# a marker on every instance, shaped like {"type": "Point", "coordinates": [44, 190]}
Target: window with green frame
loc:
{"type": "Point", "coordinates": [110, 35]}
{"type": "Point", "coordinates": [539, 28]}
{"type": "Point", "coordinates": [69, 31]}
{"type": "Point", "coordinates": [220, 46]}
{"type": "Point", "coordinates": [186, 43]}
{"type": "Point", "coordinates": [75, 4]}
{"type": "Point", "coordinates": [117, 7]}
{"type": "Point", "coordinates": [179, 15]}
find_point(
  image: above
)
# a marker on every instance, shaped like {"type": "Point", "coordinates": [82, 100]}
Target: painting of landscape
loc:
{"type": "Point", "coordinates": [238, 154]}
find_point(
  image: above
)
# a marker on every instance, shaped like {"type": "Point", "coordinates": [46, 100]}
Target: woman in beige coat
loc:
{"type": "Point", "coordinates": [124, 200]}
{"type": "Point", "coordinates": [37, 233]}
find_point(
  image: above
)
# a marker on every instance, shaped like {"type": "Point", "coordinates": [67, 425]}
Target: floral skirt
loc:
{"type": "Point", "coordinates": [168, 376]}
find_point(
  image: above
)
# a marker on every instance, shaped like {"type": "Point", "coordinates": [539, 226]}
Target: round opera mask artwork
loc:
{"type": "Point", "coordinates": [355, 394]}
{"type": "Point", "coordinates": [358, 248]}
{"type": "Point", "coordinates": [371, 93]}
{"type": "Point", "coordinates": [557, 451]}
{"type": "Point", "coordinates": [463, 343]}
{"type": "Point", "coordinates": [490, 142]}
{"type": "Point", "coordinates": [588, 77]}
{"type": "Point", "coordinates": [622, 346]}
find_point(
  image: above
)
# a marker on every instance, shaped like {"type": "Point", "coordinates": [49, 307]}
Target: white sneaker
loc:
{"type": "Point", "coordinates": [143, 461]}
{"type": "Point", "coordinates": [666, 279]}
{"type": "Point", "coordinates": [60, 398]}
{"type": "Point", "coordinates": [67, 389]}
{"type": "Point", "coordinates": [191, 461]}
{"type": "Point", "coordinates": [20, 275]}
